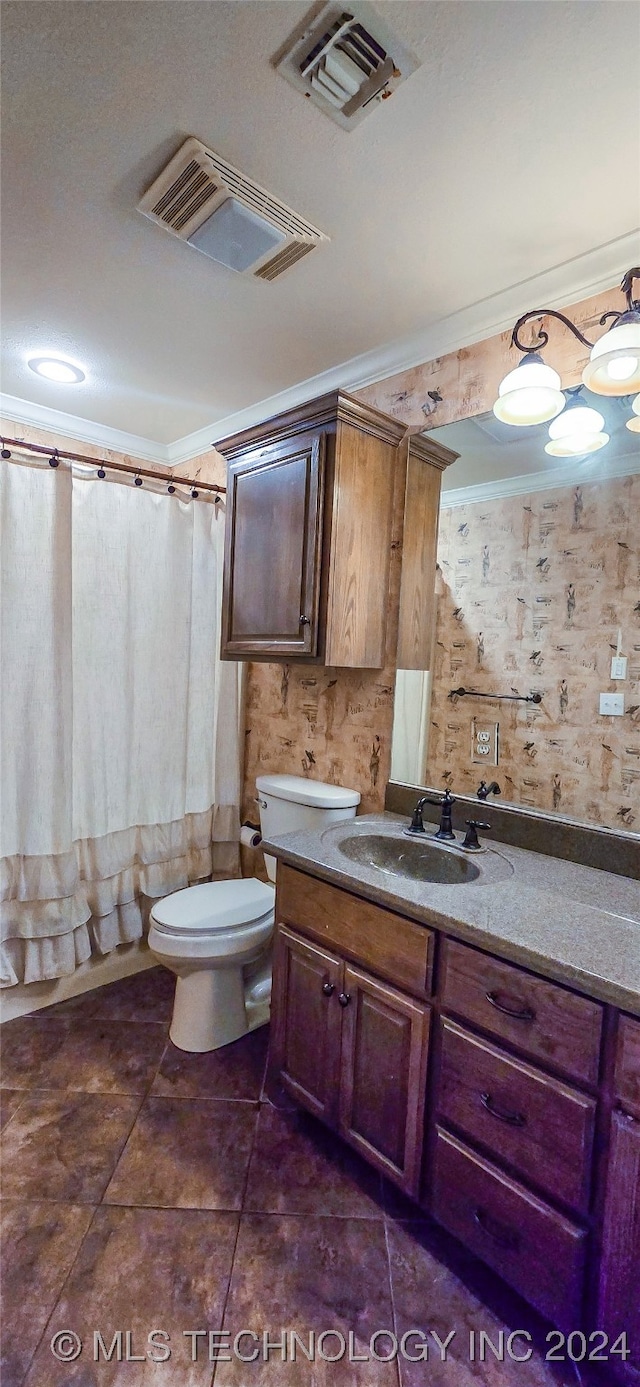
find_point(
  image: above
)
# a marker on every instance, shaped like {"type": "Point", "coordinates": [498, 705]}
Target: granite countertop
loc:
{"type": "Point", "coordinates": [574, 924]}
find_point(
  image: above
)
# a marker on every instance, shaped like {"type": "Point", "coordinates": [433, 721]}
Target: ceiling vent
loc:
{"type": "Point", "coordinates": [208, 203]}
{"type": "Point", "coordinates": [346, 62]}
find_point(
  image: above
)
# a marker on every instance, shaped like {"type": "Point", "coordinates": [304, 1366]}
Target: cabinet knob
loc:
{"type": "Point", "coordinates": [304, 620]}
{"type": "Point", "coordinates": [328, 988]}
{"type": "Point", "coordinates": [344, 999]}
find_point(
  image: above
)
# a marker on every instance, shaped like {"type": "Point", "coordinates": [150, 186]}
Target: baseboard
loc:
{"type": "Point", "coordinates": [123, 962]}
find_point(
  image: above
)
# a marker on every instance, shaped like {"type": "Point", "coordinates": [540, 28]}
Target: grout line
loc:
{"type": "Point", "coordinates": [391, 1294]}
{"type": "Point", "coordinates": [68, 1203]}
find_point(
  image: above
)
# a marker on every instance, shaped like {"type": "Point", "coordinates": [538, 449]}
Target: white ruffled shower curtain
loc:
{"type": "Point", "coordinates": [119, 734]}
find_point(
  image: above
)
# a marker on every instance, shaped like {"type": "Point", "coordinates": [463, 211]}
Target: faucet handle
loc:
{"type": "Point", "coordinates": [471, 837]}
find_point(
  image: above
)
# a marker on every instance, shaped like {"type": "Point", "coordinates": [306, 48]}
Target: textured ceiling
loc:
{"type": "Point", "coordinates": [513, 149]}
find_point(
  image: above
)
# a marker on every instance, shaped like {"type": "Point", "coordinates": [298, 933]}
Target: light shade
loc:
{"type": "Point", "coordinates": [614, 364]}
{"type": "Point", "coordinates": [634, 424]}
{"type": "Point", "coordinates": [577, 431]}
{"type": "Point", "coordinates": [55, 368]}
{"type": "Point", "coordinates": [529, 395]}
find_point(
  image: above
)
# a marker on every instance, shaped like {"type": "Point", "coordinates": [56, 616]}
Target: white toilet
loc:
{"type": "Point", "coordinates": [216, 937]}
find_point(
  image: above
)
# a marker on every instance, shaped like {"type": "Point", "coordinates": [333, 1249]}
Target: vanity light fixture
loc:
{"type": "Point", "coordinates": [531, 393]}
{"type": "Point", "coordinates": [634, 423]}
{"type": "Point", "coordinates": [577, 431]}
{"type": "Point", "coordinates": [57, 369]}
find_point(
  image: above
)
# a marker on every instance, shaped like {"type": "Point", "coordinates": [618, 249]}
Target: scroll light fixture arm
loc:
{"type": "Point", "coordinates": [633, 305]}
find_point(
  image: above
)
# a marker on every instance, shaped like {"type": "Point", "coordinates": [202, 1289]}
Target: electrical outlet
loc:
{"type": "Point", "coordinates": [619, 667]}
{"type": "Point", "coordinates": [612, 705]}
{"type": "Point", "coordinates": [484, 742]}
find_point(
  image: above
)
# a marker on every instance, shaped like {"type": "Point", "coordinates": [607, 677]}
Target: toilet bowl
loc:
{"type": "Point", "coordinates": [216, 937]}
{"type": "Point", "coordinates": [208, 935]}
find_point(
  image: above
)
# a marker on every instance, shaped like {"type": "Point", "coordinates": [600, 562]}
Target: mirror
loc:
{"type": "Point", "coordinates": [538, 588]}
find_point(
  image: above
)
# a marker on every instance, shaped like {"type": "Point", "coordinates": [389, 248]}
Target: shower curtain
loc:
{"type": "Point", "coordinates": [119, 725]}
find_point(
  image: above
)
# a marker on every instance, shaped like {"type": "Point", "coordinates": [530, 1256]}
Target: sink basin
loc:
{"type": "Point", "coordinates": [408, 857]}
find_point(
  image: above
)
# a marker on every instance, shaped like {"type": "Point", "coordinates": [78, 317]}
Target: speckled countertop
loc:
{"type": "Point", "coordinates": [571, 923]}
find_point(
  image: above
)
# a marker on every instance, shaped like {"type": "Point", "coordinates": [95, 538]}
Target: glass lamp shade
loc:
{"type": "Point", "coordinates": [634, 424]}
{"type": "Point", "coordinates": [614, 364]}
{"type": "Point", "coordinates": [529, 395]}
{"type": "Point", "coordinates": [575, 432]}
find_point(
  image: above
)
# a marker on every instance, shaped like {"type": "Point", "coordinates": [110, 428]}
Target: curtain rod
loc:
{"type": "Point", "coordinates": [168, 477]}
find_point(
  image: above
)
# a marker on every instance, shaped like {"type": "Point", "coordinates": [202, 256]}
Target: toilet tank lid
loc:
{"type": "Point", "coordinates": [299, 790]}
{"type": "Point", "coordinates": [215, 905]}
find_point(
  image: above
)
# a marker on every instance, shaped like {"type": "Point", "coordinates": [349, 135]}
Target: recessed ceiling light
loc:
{"type": "Point", "coordinates": [56, 369]}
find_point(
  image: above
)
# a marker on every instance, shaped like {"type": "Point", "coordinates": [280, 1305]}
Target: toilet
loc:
{"type": "Point", "coordinates": [216, 937]}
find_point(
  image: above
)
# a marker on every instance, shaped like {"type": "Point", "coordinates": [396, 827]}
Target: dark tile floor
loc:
{"type": "Point", "coordinates": [149, 1190]}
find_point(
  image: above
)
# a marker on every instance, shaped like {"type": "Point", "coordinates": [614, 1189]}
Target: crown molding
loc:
{"type": "Point", "coordinates": [575, 473]}
{"type": "Point", "coordinates": [573, 280]}
{"type": "Point", "coordinates": [83, 430]}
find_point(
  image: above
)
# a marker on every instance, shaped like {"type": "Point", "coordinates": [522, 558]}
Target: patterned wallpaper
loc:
{"type": "Point", "coordinates": [535, 589]}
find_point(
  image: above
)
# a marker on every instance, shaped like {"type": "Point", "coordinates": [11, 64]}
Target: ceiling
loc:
{"type": "Point", "coordinates": [507, 165]}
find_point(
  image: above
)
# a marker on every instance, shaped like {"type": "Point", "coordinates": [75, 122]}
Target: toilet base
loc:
{"type": "Point", "coordinates": [213, 1007]}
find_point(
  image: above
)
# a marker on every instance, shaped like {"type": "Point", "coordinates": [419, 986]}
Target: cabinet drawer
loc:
{"type": "Point", "coordinates": [540, 1253]}
{"type": "Point", "coordinates": [536, 1124]}
{"type": "Point", "coordinates": [394, 948]}
{"type": "Point", "coordinates": [628, 1065]}
{"type": "Point", "coordinates": [539, 1017]}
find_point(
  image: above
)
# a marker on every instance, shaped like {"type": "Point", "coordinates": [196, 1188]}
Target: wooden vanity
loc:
{"type": "Point", "coordinates": [506, 1104]}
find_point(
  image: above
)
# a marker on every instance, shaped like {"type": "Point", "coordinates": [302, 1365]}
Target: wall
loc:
{"type": "Point", "coordinates": [534, 590]}
{"type": "Point", "coordinates": [336, 724]}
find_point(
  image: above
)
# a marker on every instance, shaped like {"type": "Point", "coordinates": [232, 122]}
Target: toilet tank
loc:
{"type": "Point", "coordinates": [290, 802]}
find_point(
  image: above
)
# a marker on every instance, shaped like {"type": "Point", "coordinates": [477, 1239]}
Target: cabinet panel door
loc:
{"type": "Point", "coordinates": [306, 1040]}
{"type": "Point", "coordinates": [383, 1076]}
{"type": "Point", "coordinates": [619, 1308]}
{"type": "Point", "coordinates": [273, 543]}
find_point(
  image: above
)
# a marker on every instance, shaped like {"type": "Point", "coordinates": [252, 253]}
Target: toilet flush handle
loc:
{"type": "Point", "coordinates": [261, 802]}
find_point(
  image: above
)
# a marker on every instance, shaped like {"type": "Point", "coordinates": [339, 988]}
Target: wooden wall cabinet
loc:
{"type": "Point", "coordinates": [525, 1111]}
{"type": "Point", "coordinates": [309, 531]}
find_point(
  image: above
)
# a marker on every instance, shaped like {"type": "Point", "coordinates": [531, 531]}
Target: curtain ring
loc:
{"type": "Point", "coordinates": [194, 494]}
{"type": "Point", "coordinates": [171, 488]}
{"type": "Point", "coordinates": [54, 460]}
{"type": "Point", "coordinates": [137, 481]}
{"type": "Point", "coordinates": [101, 473]}
{"type": "Point", "coordinates": [4, 451]}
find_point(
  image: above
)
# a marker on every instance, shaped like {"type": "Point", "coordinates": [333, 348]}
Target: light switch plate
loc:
{"type": "Point", "coordinates": [612, 705]}
{"type": "Point", "coordinates": [619, 667]}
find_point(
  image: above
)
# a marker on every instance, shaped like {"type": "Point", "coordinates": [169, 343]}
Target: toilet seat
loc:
{"type": "Point", "coordinates": [214, 907]}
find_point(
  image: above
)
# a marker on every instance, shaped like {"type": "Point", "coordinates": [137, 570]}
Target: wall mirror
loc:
{"type": "Point", "coordinates": [538, 588]}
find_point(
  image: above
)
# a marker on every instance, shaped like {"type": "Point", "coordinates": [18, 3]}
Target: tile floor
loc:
{"type": "Point", "coordinates": [145, 1189]}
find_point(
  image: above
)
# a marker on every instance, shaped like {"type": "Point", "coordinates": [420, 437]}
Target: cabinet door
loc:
{"type": "Point", "coordinates": [619, 1307]}
{"type": "Point", "coordinates": [384, 1061]}
{"type": "Point", "coordinates": [306, 1040]}
{"type": "Point", "coordinates": [273, 544]}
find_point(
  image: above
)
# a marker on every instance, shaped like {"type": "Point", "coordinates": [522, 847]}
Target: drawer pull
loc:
{"type": "Point", "coordinates": [344, 998]}
{"type": "Point", "coordinates": [523, 1013]}
{"type": "Point", "coordinates": [504, 1237]}
{"type": "Point", "coordinates": [328, 988]}
{"type": "Point", "coordinates": [514, 1119]}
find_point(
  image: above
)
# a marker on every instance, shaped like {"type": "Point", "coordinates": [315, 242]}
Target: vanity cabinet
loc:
{"type": "Point", "coordinates": [349, 1046]}
{"type": "Point", "coordinates": [619, 1303]}
{"type": "Point", "coordinates": [311, 508]}
{"type": "Point", "coordinates": [500, 1100]}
